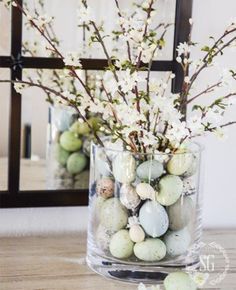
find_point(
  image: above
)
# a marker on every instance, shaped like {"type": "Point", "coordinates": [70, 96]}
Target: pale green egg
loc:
{"type": "Point", "coordinates": [150, 169]}
{"type": "Point", "coordinates": [114, 216]}
{"type": "Point", "coordinates": [76, 163]}
{"type": "Point", "coordinates": [179, 281]}
{"type": "Point", "coordinates": [124, 168]}
{"type": "Point", "coordinates": [180, 213]}
{"type": "Point", "coordinates": [81, 128]}
{"type": "Point", "coordinates": [150, 250]}
{"type": "Point", "coordinates": [61, 155]}
{"type": "Point", "coordinates": [170, 189]}
{"type": "Point", "coordinates": [70, 142]}
{"type": "Point", "coordinates": [180, 163]}
{"type": "Point", "coordinates": [121, 246]}
{"type": "Point", "coordinates": [177, 242]}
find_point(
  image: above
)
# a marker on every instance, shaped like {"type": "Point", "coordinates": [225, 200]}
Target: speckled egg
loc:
{"type": "Point", "coordinates": [192, 168]}
{"type": "Point", "coordinates": [145, 191]}
{"type": "Point", "coordinates": [105, 187]}
{"type": "Point", "coordinates": [129, 197]}
{"type": "Point", "coordinates": [76, 163]}
{"type": "Point", "coordinates": [180, 213]}
{"type": "Point", "coordinates": [61, 155]}
{"type": "Point", "coordinates": [136, 233]}
{"type": "Point", "coordinates": [170, 189]}
{"type": "Point", "coordinates": [70, 142]}
{"type": "Point", "coordinates": [150, 169]}
{"type": "Point", "coordinates": [150, 250]}
{"type": "Point", "coordinates": [180, 163]}
{"type": "Point", "coordinates": [189, 187]}
{"type": "Point", "coordinates": [124, 167]}
{"type": "Point", "coordinates": [97, 203]}
{"type": "Point", "coordinates": [103, 238]}
{"type": "Point", "coordinates": [153, 218]}
{"type": "Point", "coordinates": [121, 246]}
{"type": "Point", "coordinates": [179, 281]}
{"type": "Point", "coordinates": [177, 242]}
{"type": "Point", "coordinates": [81, 128]}
{"type": "Point", "coordinates": [114, 215]}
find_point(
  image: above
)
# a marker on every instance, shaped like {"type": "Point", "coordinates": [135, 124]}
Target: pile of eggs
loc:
{"type": "Point", "coordinates": [144, 209]}
{"type": "Point", "coordinates": [70, 150]}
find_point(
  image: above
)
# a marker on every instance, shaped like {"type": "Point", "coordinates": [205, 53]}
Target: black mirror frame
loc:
{"type": "Point", "coordinates": [14, 197]}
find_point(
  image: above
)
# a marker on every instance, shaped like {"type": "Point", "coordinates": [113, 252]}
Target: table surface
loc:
{"type": "Point", "coordinates": [58, 263]}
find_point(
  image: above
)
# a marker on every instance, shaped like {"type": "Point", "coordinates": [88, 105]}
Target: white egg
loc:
{"type": "Point", "coordinates": [179, 281]}
{"type": "Point", "coordinates": [136, 233]}
{"type": "Point", "coordinates": [145, 191]}
{"type": "Point", "coordinates": [129, 197]}
{"type": "Point", "coordinates": [124, 168]}
{"type": "Point", "coordinates": [180, 163]}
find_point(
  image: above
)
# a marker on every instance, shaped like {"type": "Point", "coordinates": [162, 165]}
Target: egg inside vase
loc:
{"type": "Point", "coordinates": [145, 216]}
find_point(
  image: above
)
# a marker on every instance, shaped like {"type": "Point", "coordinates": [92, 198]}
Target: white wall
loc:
{"type": "Point", "coordinates": [210, 17]}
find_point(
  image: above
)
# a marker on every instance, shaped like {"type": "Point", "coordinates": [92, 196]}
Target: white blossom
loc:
{"type": "Point", "coordinates": [19, 87]}
{"type": "Point", "coordinates": [84, 14]}
{"type": "Point", "coordinates": [183, 49]}
{"type": "Point", "coordinates": [72, 59]}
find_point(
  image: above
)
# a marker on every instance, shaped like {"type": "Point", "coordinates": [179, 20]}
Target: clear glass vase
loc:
{"type": "Point", "coordinates": [68, 150]}
{"type": "Point", "coordinates": [144, 213]}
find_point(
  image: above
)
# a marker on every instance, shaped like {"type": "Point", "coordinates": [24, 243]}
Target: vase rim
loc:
{"type": "Point", "coordinates": [197, 149]}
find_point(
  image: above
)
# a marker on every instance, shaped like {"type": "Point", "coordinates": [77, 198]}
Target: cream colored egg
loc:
{"type": "Point", "coordinates": [129, 197]}
{"type": "Point", "coordinates": [124, 168]}
{"type": "Point", "coordinates": [180, 163]}
{"type": "Point", "coordinates": [136, 234]}
{"type": "Point", "coordinates": [145, 191]}
{"type": "Point", "coordinates": [150, 250]}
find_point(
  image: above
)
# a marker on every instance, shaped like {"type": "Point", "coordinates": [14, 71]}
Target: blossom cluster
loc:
{"type": "Point", "coordinates": [134, 106]}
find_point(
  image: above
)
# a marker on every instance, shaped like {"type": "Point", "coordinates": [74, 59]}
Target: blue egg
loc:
{"type": "Point", "coordinates": [153, 218]}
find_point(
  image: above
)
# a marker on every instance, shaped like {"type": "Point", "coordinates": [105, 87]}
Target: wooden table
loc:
{"type": "Point", "coordinates": [58, 263]}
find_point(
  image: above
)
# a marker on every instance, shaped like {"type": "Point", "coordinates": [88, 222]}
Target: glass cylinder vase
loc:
{"type": "Point", "coordinates": [144, 213]}
{"type": "Point", "coordinates": [68, 150]}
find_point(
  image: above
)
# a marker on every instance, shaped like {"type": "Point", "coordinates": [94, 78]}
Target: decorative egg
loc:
{"type": "Point", "coordinates": [105, 187]}
{"type": "Point", "coordinates": [62, 118]}
{"type": "Point", "coordinates": [170, 189]}
{"type": "Point", "coordinates": [179, 281]}
{"type": "Point", "coordinates": [121, 246]}
{"type": "Point", "coordinates": [80, 128]}
{"type": "Point", "coordinates": [189, 187]}
{"type": "Point", "coordinates": [86, 146]}
{"type": "Point", "coordinates": [103, 238]}
{"type": "Point", "coordinates": [136, 233]}
{"type": "Point", "coordinates": [70, 142]}
{"type": "Point", "coordinates": [180, 213]}
{"type": "Point", "coordinates": [97, 203]}
{"type": "Point", "coordinates": [193, 167]}
{"type": "Point", "coordinates": [124, 167]}
{"type": "Point", "coordinates": [145, 191]}
{"type": "Point", "coordinates": [150, 169]}
{"type": "Point", "coordinates": [114, 215]}
{"type": "Point", "coordinates": [179, 163]}
{"type": "Point", "coordinates": [101, 164]}
{"type": "Point", "coordinates": [150, 250]}
{"type": "Point", "coordinates": [153, 218]}
{"type": "Point", "coordinates": [129, 197]}
{"type": "Point", "coordinates": [76, 163]}
{"type": "Point", "coordinates": [177, 242]}
{"type": "Point", "coordinates": [61, 155]}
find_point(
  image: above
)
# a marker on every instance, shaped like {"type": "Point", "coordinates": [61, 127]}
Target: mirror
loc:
{"type": "Point", "coordinates": [74, 38]}
{"type": "Point", "coordinates": [4, 127]}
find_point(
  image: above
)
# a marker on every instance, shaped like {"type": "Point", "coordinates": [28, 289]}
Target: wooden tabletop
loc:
{"type": "Point", "coordinates": [58, 263]}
